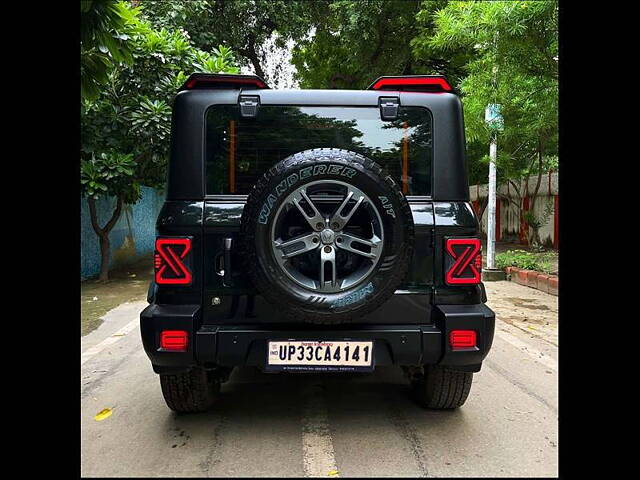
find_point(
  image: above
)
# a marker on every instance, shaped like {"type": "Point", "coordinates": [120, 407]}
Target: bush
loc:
{"type": "Point", "coordinates": [540, 262]}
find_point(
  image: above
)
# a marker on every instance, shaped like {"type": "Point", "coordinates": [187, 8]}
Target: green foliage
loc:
{"type": "Point", "coordinates": [107, 174]}
{"type": "Point", "coordinates": [540, 262]}
{"type": "Point", "coordinates": [132, 114]}
{"type": "Point", "coordinates": [357, 41]}
{"type": "Point", "coordinates": [242, 25]}
{"type": "Point", "coordinates": [130, 74]}
{"type": "Point", "coordinates": [515, 64]}
{"type": "Point", "coordinates": [105, 28]}
{"type": "Point", "coordinates": [515, 33]}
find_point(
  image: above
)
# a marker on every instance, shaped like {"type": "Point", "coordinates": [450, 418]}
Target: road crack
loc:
{"type": "Point", "coordinates": [407, 432]}
{"type": "Point", "coordinates": [504, 373]}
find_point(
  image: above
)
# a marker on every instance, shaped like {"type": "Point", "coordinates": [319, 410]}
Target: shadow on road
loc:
{"type": "Point", "coordinates": [350, 397]}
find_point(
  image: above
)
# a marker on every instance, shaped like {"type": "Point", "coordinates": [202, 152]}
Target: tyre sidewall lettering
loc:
{"type": "Point", "coordinates": [283, 188]}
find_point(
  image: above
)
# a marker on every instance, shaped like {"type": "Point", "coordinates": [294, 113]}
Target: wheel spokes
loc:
{"type": "Point", "coordinates": [298, 245]}
{"type": "Point", "coordinates": [339, 221]}
{"type": "Point", "coordinates": [327, 256]}
{"type": "Point", "coordinates": [316, 221]}
{"type": "Point", "coordinates": [310, 259]}
{"type": "Point", "coordinates": [346, 241]}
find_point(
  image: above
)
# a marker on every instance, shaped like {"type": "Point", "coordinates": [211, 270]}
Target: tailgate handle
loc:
{"type": "Point", "coordinates": [389, 108]}
{"type": "Point", "coordinates": [226, 279]}
{"type": "Point", "coordinates": [249, 105]}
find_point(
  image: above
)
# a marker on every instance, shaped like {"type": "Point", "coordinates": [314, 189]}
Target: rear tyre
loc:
{"type": "Point", "coordinates": [441, 388]}
{"type": "Point", "coordinates": [190, 392]}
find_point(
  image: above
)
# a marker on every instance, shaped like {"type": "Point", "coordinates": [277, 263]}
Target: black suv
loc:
{"type": "Point", "coordinates": [316, 231]}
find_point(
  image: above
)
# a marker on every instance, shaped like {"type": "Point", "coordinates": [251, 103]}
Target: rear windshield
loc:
{"type": "Point", "coordinates": [239, 150]}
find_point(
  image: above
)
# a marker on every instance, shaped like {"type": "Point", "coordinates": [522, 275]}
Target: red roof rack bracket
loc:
{"type": "Point", "coordinates": [222, 81]}
{"type": "Point", "coordinates": [413, 83]}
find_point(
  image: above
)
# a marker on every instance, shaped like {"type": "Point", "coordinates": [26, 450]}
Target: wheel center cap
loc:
{"type": "Point", "coordinates": [327, 236]}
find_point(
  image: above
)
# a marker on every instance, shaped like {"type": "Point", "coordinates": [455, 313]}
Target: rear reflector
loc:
{"type": "Point", "coordinates": [464, 262]}
{"type": "Point", "coordinates": [172, 261]}
{"type": "Point", "coordinates": [462, 339]}
{"type": "Point", "coordinates": [415, 83]}
{"type": "Point", "coordinates": [220, 81]}
{"type": "Point", "coordinates": [174, 340]}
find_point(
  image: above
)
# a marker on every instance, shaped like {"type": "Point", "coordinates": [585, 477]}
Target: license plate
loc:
{"type": "Point", "coordinates": [327, 356]}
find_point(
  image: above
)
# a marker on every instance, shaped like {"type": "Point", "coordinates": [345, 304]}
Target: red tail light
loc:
{"type": "Point", "coordinates": [459, 339]}
{"type": "Point", "coordinates": [416, 83]}
{"type": "Point", "coordinates": [174, 340]}
{"type": "Point", "coordinates": [463, 263]}
{"type": "Point", "coordinates": [172, 261]}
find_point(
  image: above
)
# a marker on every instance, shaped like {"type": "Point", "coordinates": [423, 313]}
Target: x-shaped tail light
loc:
{"type": "Point", "coordinates": [172, 261]}
{"type": "Point", "coordinates": [463, 262]}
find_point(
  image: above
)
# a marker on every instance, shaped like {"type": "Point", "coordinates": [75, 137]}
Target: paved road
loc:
{"type": "Point", "coordinates": [306, 425]}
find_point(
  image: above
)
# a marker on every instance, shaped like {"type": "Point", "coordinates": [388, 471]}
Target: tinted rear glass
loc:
{"type": "Point", "coordinates": [240, 150]}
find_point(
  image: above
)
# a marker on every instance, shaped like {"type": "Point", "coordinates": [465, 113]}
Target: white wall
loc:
{"type": "Point", "coordinates": [509, 219]}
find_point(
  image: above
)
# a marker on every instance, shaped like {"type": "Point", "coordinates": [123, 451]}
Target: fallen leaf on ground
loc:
{"type": "Point", "coordinates": [118, 335]}
{"type": "Point", "coordinates": [333, 473]}
{"type": "Point", "coordinates": [102, 414]}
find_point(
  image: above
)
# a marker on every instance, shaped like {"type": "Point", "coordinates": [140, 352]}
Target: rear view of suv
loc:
{"type": "Point", "coordinates": [316, 231]}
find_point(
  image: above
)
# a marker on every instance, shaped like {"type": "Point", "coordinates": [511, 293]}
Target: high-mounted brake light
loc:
{"type": "Point", "coordinates": [414, 83]}
{"type": "Point", "coordinates": [172, 261]}
{"type": "Point", "coordinates": [459, 339]}
{"type": "Point", "coordinates": [464, 262]}
{"type": "Point", "coordinates": [220, 81]}
{"type": "Point", "coordinates": [174, 340]}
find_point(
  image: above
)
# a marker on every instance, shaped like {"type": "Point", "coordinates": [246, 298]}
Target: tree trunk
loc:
{"type": "Point", "coordinates": [103, 234]}
{"type": "Point", "coordinates": [256, 64]}
{"type": "Point", "coordinates": [517, 202]}
{"type": "Point", "coordinates": [105, 247]}
{"type": "Point", "coordinates": [251, 53]}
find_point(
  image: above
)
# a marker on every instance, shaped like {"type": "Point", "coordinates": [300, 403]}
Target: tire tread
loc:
{"type": "Point", "coordinates": [442, 388]}
{"type": "Point", "coordinates": [189, 392]}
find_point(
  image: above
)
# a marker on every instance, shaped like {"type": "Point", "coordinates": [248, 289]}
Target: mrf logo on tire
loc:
{"type": "Point", "coordinates": [294, 178]}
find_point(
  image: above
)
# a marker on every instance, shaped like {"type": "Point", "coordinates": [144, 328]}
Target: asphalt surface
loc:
{"type": "Point", "coordinates": [294, 425]}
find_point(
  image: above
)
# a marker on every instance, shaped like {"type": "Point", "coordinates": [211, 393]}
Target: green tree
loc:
{"type": "Point", "coordinates": [515, 65]}
{"type": "Point", "coordinates": [125, 130]}
{"type": "Point", "coordinates": [108, 174]}
{"type": "Point", "coordinates": [105, 27]}
{"type": "Point", "coordinates": [242, 25]}
{"type": "Point", "coordinates": [357, 41]}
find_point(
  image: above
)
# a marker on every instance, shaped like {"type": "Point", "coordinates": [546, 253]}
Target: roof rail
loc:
{"type": "Point", "coordinates": [198, 81]}
{"type": "Point", "coordinates": [412, 83]}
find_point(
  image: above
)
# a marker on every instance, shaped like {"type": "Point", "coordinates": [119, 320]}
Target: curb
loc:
{"type": "Point", "coordinates": [530, 278]}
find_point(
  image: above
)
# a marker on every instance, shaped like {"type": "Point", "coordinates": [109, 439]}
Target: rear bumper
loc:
{"type": "Point", "coordinates": [246, 345]}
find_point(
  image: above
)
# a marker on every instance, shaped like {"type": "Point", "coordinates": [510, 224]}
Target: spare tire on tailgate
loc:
{"type": "Point", "coordinates": [328, 236]}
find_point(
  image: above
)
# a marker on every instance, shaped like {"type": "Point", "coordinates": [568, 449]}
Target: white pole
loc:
{"type": "Point", "coordinates": [491, 219]}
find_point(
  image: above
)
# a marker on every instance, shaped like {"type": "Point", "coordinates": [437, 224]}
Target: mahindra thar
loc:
{"type": "Point", "coordinates": [316, 231]}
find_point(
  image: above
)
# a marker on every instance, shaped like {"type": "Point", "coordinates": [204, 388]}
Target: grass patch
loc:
{"type": "Point", "coordinates": [544, 262]}
{"type": "Point", "coordinates": [127, 284]}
